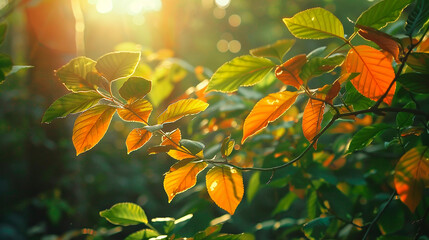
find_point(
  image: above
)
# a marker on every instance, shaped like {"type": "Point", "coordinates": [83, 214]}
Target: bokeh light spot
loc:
{"type": "Point", "coordinates": [222, 45]}
{"type": "Point", "coordinates": [234, 46]}
{"type": "Point", "coordinates": [104, 6]}
{"type": "Point", "coordinates": [219, 13]}
{"type": "Point", "coordinates": [222, 3]}
{"type": "Point", "coordinates": [234, 20]}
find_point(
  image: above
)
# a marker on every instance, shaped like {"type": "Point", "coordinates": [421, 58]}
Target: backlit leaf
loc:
{"type": "Point", "coordinates": [365, 136]}
{"type": "Point", "coordinates": [312, 119]}
{"type": "Point", "coordinates": [415, 82]}
{"type": "Point", "coordinates": [135, 88]}
{"type": "Point", "coordinates": [412, 175]}
{"type": "Point", "coordinates": [267, 110]}
{"type": "Point", "coordinates": [376, 72]}
{"type": "Point", "coordinates": [289, 71]}
{"type": "Point", "coordinates": [138, 111]}
{"type": "Point", "coordinates": [137, 138]}
{"type": "Point", "coordinates": [182, 179]}
{"type": "Point", "coordinates": [240, 71]}
{"type": "Point", "coordinates": [117, 65]}
{"type": "Point", "coordinates": [276, 50]}
{"type": "Point", "coordinates": [419, 61]}
{"type": "Point", "coordinates": [73, 75]}
{"type": "Point", "coordinates": [227, 146]}
{"type": "Point", "coordinates": [70, 103]}
{"type": "Point", "coordinates": [125, 214]}
{"type": "Point", "coordinates": [225, 187]}
{"type": "Point", "coordinates": [173, 139]}
{"type": "Point", "coordinates": [90, 127]}
{"type": "Point", "coordinates": [181, 108]}
{"type": "Point", "coordinates": [193, 146]}
{"type": "Point", "coordinates": [319, 65]}
{"type": "Point", "coordinates": [144, 234]}
{"type": "Point", "coordinates": [382, 13]}
{"type": "Point", "coordinates": [417, 17]}
{"type": "Point", "coordinates": [315, 23]}
{"type": "Point", "coordinates": [160, 149]}
{"type": "Point", "coordinates": [178, 151]}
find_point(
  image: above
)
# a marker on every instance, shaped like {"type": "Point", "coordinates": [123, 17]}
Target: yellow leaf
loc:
{"type": "Point", "coordinates": [289, 71]}
{"type": "Point", "coordinates": [312, 119]}
{"type": "Point", "coordinates": [138, 111]}
{"type": "Point", "coordinates": [225, 187]}
{"type": "Point", "coordinates": [117, 65]}
{"type": "Point", "coordinates": [178, 153]}
{"type": "Point", "coordinates": [181, 108]}
{"type": "Point", "coordinates": [137, 138]}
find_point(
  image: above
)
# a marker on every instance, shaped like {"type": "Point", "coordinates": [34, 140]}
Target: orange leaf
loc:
{"type": "Point", "coordinates": [333, 92]}
{"type": "Point", "coordinates": [137, 138]}
{"type": "Point", "coordinates": [178, 153]}
{"type": "Point", "coordinates": [289, 71]}
{"type": "Point", "coordinates": [159, 149]}
{"type": "Point", "coordinates": [225, 187]}
{"type": "Point", "coordinates": [376, 72]}
{"type": "Point", "coordinates": [90, 127]}
{"type": "Point", "coordinates": [412, 175]}
{"type": "Point", "coordinates": [312, 119]}
{"type": "Point", "coordinates": [181, 108]}
{"type": "Point", "coordinates": [182, 179]}
{"type": "Point", "coordinates": [383, 40]}
{"type": "Point", "coordinates": [138, 111]}
{"type": "Point", "coordinates": [267, 110]}
{"type": "Point", "coordinates": [174, 138]}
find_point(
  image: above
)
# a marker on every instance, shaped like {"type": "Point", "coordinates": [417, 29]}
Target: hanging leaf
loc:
{"type": "Point", "coordinates": [90, 127]}
{"type": "Point", "coordinates": [275, 50]}
{"type": "Point", "coordinates": [144, 234]}
{"type": "Point", "coordinates": [289, 71]}
{"type": "Point", "coordinates": [419, 61]}
{"type": "Point", "coordinates": [138, 111]}
{"type": "Point", "coordinates": [417, 17]}
{"type": "Point", "coordinates": [182, 179]}
{"type": "Point", "coordinates": [73, 75]}
{"type": "Point", "coordinates": [315, 23]}
{"type": "Point", "coordinates": [137, 138]}
{"type": "Point", "coordinates": [225, 187]}
{"type": "Point", "coordinates": [365, 136]}
{"type": "Point", "coordinates": [312, 119]}
{"type": "Point", "coordinates": [240, 71]}
{"type": "Point", "coordinates": [135, 88]}
{"type": "Point", "coordinates": [70, 103]}
{"type": "Point", "coordinates": [227, 146]}
{"type": "Point", "coordinates": [182, 108]}
{"type": "Point", "coordinates": [319, 65]}
{"type": "Point", "coordinates": [415, 82]}
{"type": "Point", "coordinates": [412, 175]}
{"type": "Point", "coordinates": [376, 72]}
{"type": "Point", "coordinates": [117, 65]}
{"type": "Point", "coordinates": [125, 214]}
{"type": "Point", "coordinates": [334, 89]}
{"type": "Point", "coordinates": [267, 110]}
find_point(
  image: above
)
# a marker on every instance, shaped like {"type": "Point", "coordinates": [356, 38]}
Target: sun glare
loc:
{"type": "Point", "coordinates": [131, 7]}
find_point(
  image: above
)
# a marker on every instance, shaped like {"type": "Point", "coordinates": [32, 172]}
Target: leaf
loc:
{"type": "Point", "coordinates": [117, 65]}
{"type": "Point", "coordinates": [182, 179]}
{"type": "Point", "coordinates": [125, 214]}
{"type": "Point", "coordinates": [338, 203]}
{"type": "Point", "coordinates": [138, 111]}
{"type": "Point", "coordinates": [240, 71]}
{"type": "Point", "coordinates": [153, 128]}
{"type": "Point", "coordinates": [225, 187]}
{"type": "Point", "coordinates": [90, 127]}
{"type": "Point", "coordinates": [144, 234]}
{"type": "Point", "coordinates": [210, 231]}
{"type": "Point", "coordinates": [289, 71]}
{"type": "Point", "coordinates": [70, 103]}
{"type": "Point", "coordinates": [382, 13]}
{"type": "Point", "coordinates": [417, 17]}
{"type": "Point", "coordinates": [354, 98]}
{"type": "Point", "coordinates": [376, 72]}
{"type": "Point", "coordinates": [166, 75]}
{"type": "Point", "coordinates": [412, 175]}
{"type": "Point", "coordinates": [404, 119]}
{"type": "Point", "coordinates": [193, 146]}
{"type": "Point", "coordinates": [316, 228]}
{"type": "Point", "coordinates": [182, 108]}
{"type": "Point", "coordinates": [17, 68]}
{"type": "Point", "coordinates": [160, 149]}
{"type": "Point", "coordinates": [173, 139]}
{"type": "Point", "coordinates": [285, 203]}
{"type": "Point", "coordinates": [137, 138]}
{"type": "Point", "coordinates": [267, 110]}
{"type": "Point", "coordinates": [135, 88]}
{"type": "Point", "coordinates": [333, 91]}
{"type": "Point", "coordinates": [315, 23]}
{"type": "Point", "coordinates": [319, 65]}
{"type": "Point", "coordinates": [180, 153]}
{"type": "Point", "coordinates": [419, 61]}
{"type": "Point", "coordinates": [312, 119]}
{"type": "Point", "coordinates": [365, 136]}
{"type": "Point", "coordinates": [74, 74]}
{"type": "Point", "coordinates": [5, 66]}
{"type": "Point", "coordinates": [275, 50]}
{"type": "Point", "coordinates": [227, 146]}
{"type": "Point", "coordinates": [415, 82]}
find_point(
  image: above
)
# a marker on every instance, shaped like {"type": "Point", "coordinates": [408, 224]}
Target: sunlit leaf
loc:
{"type": "Point", "coordinates": [267, 110]}
{"type": "Point", "coordinates": [154, 128]}
{"type": "Point", "coordinates": [117, 65]}
{"type": "Point", "coordinates": [144, 234]}
{"type": "Point", "coordinates": [90, 127]}
{"type": "Point", "coordinates": [417, 17]}
{"type": "Point", "coordinates": [70, 103]}
{"type": "Point", "coordinates": [160, 149]}
{"type": "Point", "coordinates": [241, 71]}
{"type": "Point", "coordinates": [312, 119]}
{"type": "Point", "coordinates": [193, 146]}
{"type": "Point", "coordinates": [173, 139]}
{"type": "Point", "coordinates": [316, 228]}
{"type": "Point", "coordinates": [319, 65]}
{"type": "Point", "coordinates": [17, 68]}
{"type": "Point", "coordinates": [419, 61]}
{"type": "Point", "coordinates": [182, 179]}
{"type": "Point", "coordinates": [227, 146]}
{"type": "Point", "coordinates": [289, 71]}
{"type": "Point", "coordinates": [225, 187]}
{"type": "Point", "coordinates": [95, 80]}
{"type": "Point", "coordinates": [333, 91]}
{"type": "Point", "coordinates": [365, 136]}
{"type": "Point", "coordinates": [137, 138]}
{"type": "Point", "coordinates": [73, 74]}
{"type": "Point", "coordinates": [412, 175]}
{"type": "Point", "coordinates": [182, 108]}
{"type": "Point", "coordinates": [125, 214]}
{"type": "Point", "coordinates": [138, 111]}
{"type": "Point", "coordinates": [315, 23]}
{"type": "Point", "coordinates": [276, 50]}
{"type": "Point", "coordinates": [135, 88]}
{"type": "Point", "coordinates": [415, 82]}
{"type": "Point", "coordinates": [376, 72]}
{"type": "Point", "coordinates": [382, 13]}
{"type": "Point", "coordinates": [178, 151]}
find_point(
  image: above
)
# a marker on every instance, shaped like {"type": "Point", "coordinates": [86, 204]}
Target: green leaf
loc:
{"type": "Point", "coordinates": [418, 17]}
{"type": "Point", "coordinates": [316, 228]}
{"type": "Point", "coordinates": [142, 235]}
{"type": "Point", "coordinates": [354, 98]}
{"type": "Point", "coordinates": [125, 214]}
{"type": "Point", "coordinates": [382, 13]}
{"type": "Point", "coordinates": [73, 75]}
{"type": "Point", "coordinates": [135, 88]}
{"type": "Point", "coordinates": [404, 119]}
{"type": "Point", "coordinates": [154, 128]}
{"type": "Point", "coordinates": [415, 82]}
{"type": "Point", "coordinates": [3, 30]}
{"type": "Point", "coordinates": [241, 71]}
{"type": "Point", "coordinates": [70, 103]}
{"type": "Point", "coordinates": [365, 136]}
{"type": "Point", "coordinates": [419, 61]}
{"type": "Point", "coordinates": [315, 23]}
{"type": "Point", "coordinates": [285, 203]}
{"type": "Point", "coordinates": [117, 65]}
{"type": "Point", "coordinates": [338, 203]}
{"type": "Point", "coordinates": [227, 146]}
{"type": "Point", "coordinates": [193, 146]}
{"type": "Point", "coordinates": [393, 220]}
{"type": "Point", "coordinates": [5, 66]}
{"type": "Point", "coordinates": [253, 186]}
{"type": "Point", "coordinates": [319, 65]}
{"type": "Point", "coordinates": [17, 68]}
{"type": "Point", "coordinates": [275, 50]}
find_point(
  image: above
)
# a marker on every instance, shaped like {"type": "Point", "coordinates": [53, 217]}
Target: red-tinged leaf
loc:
{"type": "Point", "coordinates": [412, 175]}
{"type": "Point", "coordinates": [312, 119]}
{"type": "Point", "coordinates": [138, 111]}
{"type": "Point", "coordinates": [182, 179]}
{"type": "Point", "coordinates": [383, 40]}
{"type": "Point", "coordinates": [376, 72]}
{"type": "Point", "coordinates": [181, 108]}
{"type": "Point", "coordinates": [90, 127]}
{"type": "Point", "coordinates": [176, 152]}
{"type": "Point", "coordinates": [173, 139]}
{"type": "Point", "coordinates": [333, 91]}
{"type": "Point", "coordinates": [137, 138]}
{"type": "Point", "coordinates": [159, 149]}
{"type": "Point", "coordinates": [267, 110]}
{"type": "Point", "coordinates": [225, 187]}
{"type": "Point", "coordinates": [289, 71]}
